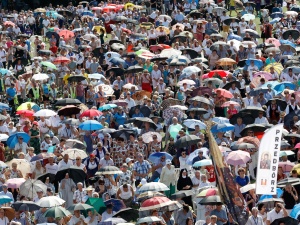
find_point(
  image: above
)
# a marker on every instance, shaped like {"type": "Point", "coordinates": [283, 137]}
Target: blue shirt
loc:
{"type": "Point", "coordinates": [242, 181]}
{"type": "Point", "coordinates": [137, 115]}
{"type": "Point", "coordinates": [220, 214]}
{"type": "Point", "coordinates": [120, 118]}
{"type": "Point", "coordinates": [11, 92]}
{"type": "Point", "coordinates": [45, 89]}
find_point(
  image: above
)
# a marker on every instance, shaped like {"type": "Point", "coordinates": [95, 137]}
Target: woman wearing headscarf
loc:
{"type": "Point", "coordinates": [185, 183]}
{"type": "Point", "coordinates": [67, 190]}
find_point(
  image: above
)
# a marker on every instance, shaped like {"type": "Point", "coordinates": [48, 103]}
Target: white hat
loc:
{"type": "Point", "coordinates": [143, 181]}
{"type": "Point", "coordinates": [168, 161]}
{"type": "Point", "coordinates": [128, 160]}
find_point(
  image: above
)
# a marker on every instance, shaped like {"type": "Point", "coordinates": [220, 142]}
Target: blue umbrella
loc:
{"type": "Point", "coordinates": [276, 15]}
{"type": "Point", "coordinates": [234, 36]}
{"type": "Point", "coordinates": [222, 128]}
{"type": "Point", "coordinates": [52, 14]}
{"type": "Point", "coordinates": [13, 139]}
{"type": "Point", "coordinates": [118, 61]}
{"type": "Point", "coordinates": [220, 120]}
{"type": "Point", "coordinates": [157, 155]}
{"type": "Point", "coordinates": [256, 91]}
{"type": "Point", "coordinates": [5, 199]}
{"type": "Point", "coordinates": [295, 69]}
{"type": "Point", "coordinates": [281, 86]}
{"type": "Point", "coordinates": [275, 20]}
{"type": "Point", "coordinates": [204, 162]}
{"type": "Point", "coordinates": [295, 211]}
{"type": "Point", "coordinates": [273, 83]}
{"type": "Point", "coordinates": [87, 13]}
{"type": "Point", "coordinates": [3, 106]}
{"type": "Point", "coordinates": [286, 42]}
{"type": "Point", "coordinates": [279, 193]}
{"type": "Point", "coordinates": [116, 203]}
{"type": "Point", "coordinates": [90, 125]}
{"type": "Point", "coordinates": [107, 107]}
{"type": "Point", "coordinates": [4, 71]}
{"type": "Point", "coordinates": [257, 62]}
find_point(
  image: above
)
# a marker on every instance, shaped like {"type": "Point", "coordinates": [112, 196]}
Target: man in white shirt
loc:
{"type": "Point", "coordinates": [44, 125]}
{"type": "Point", "coordinates": [278, 212]}
{"type": "Point", "coordinates": [3, 56]}
{"type": "Point", "coordinates": [255, 219]}
{"type": "Point", "coordinates": [79, 194]}
{"type": "Point", "coordinates": [155, 74]}
{"type": "Point", "coordinates": [109, 213]}
{"type": "Point", "coordinates": [161, 86]}
{"type": "Point", "coordinates": [51, 167]}
{"type": "Point", "coordinates": [21, 146]}
{"type": "Point", "coordinates": [130, 102]}
{"type": "Point", "coordinates": [106, 160]}
{"type": "Point", "coordinates": [261, 119]}
{"type": "Point", "coordinates": [292, 106]}
{"type": "Point", "coordinates": [243, 25]}
{"type": "Point", "coordinates": [76, 219]}
{"type": "Point", "coordinates": [252, 68]}
{"type": "Point", "coordinates": [66, 163]}
{"type": "Point", "coordinates": [247, 100]}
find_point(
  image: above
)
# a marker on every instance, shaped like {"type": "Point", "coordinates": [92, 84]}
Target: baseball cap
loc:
{"type": "Point", "coordinates": [128, 160]}
{"type": "Point", "coordinates": [168, 161]}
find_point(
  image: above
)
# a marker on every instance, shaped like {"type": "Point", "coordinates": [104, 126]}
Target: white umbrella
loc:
{"type": "Point", "coordinates": [247, 188]}
{"type": "Point", "coordinates": [30, 188]}
{"type": "Point", "coordinates": [191, 123]}
{"type": "Point", "coordinates": [181, 107]}
{"type": "Point", "coordinates": [129, 86]}
{"type": "Point", "coordinates": [190, 70]}
{"type": "Point", "coordinates": [3, 164]}
{"type": "Point", "coordinates": [248, 17]}
{"type": "Point", "coordinates": [74, 152]}
{"type": "Point", "coordinates": [45, 113]}
{"type": "Point", "coordinates": [153, 186]}
{"type": "Point", "coordinates": [96, 76]}
{"type": "Point", "coordinates": [194, 154]}
{"type": "Point", "coordinates": [40, 76]}
{"type": "Point", "coordinates": [186, 81]}
{"type": "Point", "coordinates": [106, 88]}
{"type": "Point", "coordinates": [73, 143]}
{"type": "Point", "coordinates": [89, 36]}
{"type": "Point", "coordinates": [22, 164]}
{"type": "Point", "coordinates": [3, 137]}
{"type": "Point", "coordinates": [236, 43]}
{"type": "Point", "coordinates": [170, 52]}
{"type": "Point", "coordinates": [50, 201]}
{"type": "Point", "coordinates": [291, 13]}
{"type": "Point", "coordinates": [148, 219]}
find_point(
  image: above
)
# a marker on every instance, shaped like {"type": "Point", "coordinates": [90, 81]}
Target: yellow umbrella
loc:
{"type": "Point", "coordinates": [297, 167]}
{"type": "Point", "coordinates": [99, 29]}
{"type": "Point", "coordinates": [129, 5]}
{"type": "Point", "coordinates": [26, 106]}
{"type": "Point", "coordinates": [40, 10]}
{"type": "Point", "coordinates": [277, 67]}
{"type": "Point", "coordinates": [165, 29]}
{"type": "Point", "coordinates": [226, 62]}
{"type": "Point", "coordinates": [147, 25]}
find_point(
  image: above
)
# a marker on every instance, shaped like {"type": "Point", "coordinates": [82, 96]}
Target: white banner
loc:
{"type": "Point", "coordinates": [268, 158]}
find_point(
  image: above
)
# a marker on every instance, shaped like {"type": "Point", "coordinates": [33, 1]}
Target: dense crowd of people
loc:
{"type": "Point", "coordinates": [106, 112]}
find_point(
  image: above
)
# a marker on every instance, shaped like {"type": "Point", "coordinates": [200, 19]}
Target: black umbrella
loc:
{"type": "Point", "coordinates": [22, 36]}
{"type": "Point", "coordinates": [21, 205]}
{"type": "Point", "coordinates": [109, 170]}
{"type": "Point", "coordinates": [134, 69]}
{"type": "Point", "coordinates": [285, 220]}
{"type": "Point", "coordinates": [124, 133]}
{"type": "Point", "coordinates": [254, 128]}
{"type": "Point", "coordinates": [76, 78]}
{"type": "Point", "coordinates": [195, 13]}
{"type": "Point", "coordinates": [44, 177]}
{"type": "Point", "coordinates": [77, 175]}
{"type": "Point", "coordinates": [242, 63]}
{"type": "Point", "coordinates": [69, 110]}
{"type": "Point", "coordinates": [211, 200]}
{"type": "Point", "coordinates": [228, 85]}
{"type": "Point", "coordinates": [295, 9]}
{"type": "Point", "coordinates": [230, 19]}
{"type": "Point", "coordinates": [158, 59]}
{"type": "Point", "coordinates": [139, 122]}
{"type": "Point", "coordinates": [257, 91]}
{"type": "Point", "coordinates": [254, 111]}
{"type": "Point", "coordinates": [294, 33]}
{"type": "Point", "coordinates": [282, 104]}
{"type": "Point", "coordinates": [288, 119]}
{"type": "Point", "coordinates": [182, 194]}
{"type": "Point", "coordinates": [129, 54]}
{"type": "Point", "coordinates": [24, 61]}
{"type": "Point", "coordinates": [289, 180]}
{"type": "Point", "coordinates": [116, 70]}
{"type": "Point", "coordinates": [284, 144]}
{"type": "Point", "coordinates": [143, 109]}
{"type": "Point", "coordinates": [44, 52]}
{"type": "Point", "coordinates": [128, 214]}
{"type": "Point", "coordinates": [67, 101]}
{"type": "Point", "coordinates": [200, 99]}
{"type": "Point", "coordinates": [187, 140]}
{"type": "Point", "coordinates": [74, 143]}
{"type": "Point", "coordinates": [181, 38]}
{"type": "Point", "coordinates": [247, 118]}
{"type": "Point", "coordinates": [65, 12]}
{"type": "Point", "coordinates": [198, 110]}
{"type": "Point", "coordinates": [50, 33]}
{"type": "Point", "coordinates": [191, 52]}
{"type": "Point", "coordinates": [97, 52]}
{"type": "Point", "coordinates": [211, 31]}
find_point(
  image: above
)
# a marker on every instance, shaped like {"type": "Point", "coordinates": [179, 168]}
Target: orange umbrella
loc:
{"type": "Point", "coordinates": [61, 59]}
{"type": "Point", "coordinates": [8, 23]}
{"type": "Point", "coordinates": [66, 33]}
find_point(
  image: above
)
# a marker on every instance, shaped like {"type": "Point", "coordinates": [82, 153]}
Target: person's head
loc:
{"type": "Point", "coordinates": [241, 172]}
{"type": "Point", "coordinates": [77, 213]}
{"type": "Point", "coordinates": [254, 211]}
{"type": "Point", "coordinates": [294, 173]}
{"type": "Point", "coordinates": [185, 208]}
{"type": "Point", "coordinates": [140, 157]}
{"type": "Point", "coordinates": [261, 207]}
{"type": "Point", "coordinates": [189, 221]}
{"type": "Point", "coordinates": [260, 114]}
{"type": "Point", "coordinates": [278, 207]}
{"type": "Point", "coordinates": [79, 185]}
{"type": "Point", "coordinates": [109, 208]}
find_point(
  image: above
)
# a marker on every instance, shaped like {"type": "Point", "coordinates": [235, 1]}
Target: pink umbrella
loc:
{"type": "Point", "coordinates": [148, 137]}
{"type": "Point", "coordinates": [273, 41]}
{"type": "Point", "coordinates": [238, 157]}
{"type": "Point", "coordinates": [297, 95]}
{"type": "Point", "coordinates": [297, 145]}
{"type": "Point", "coordinates": [256, 81]}
{"type": "Point", "coordinates": [227, 104]}
{"type": "Point", "coordinates": [264, 74]}
{"type": "Point", "coordinates": [225, 93]}
{"type": "Point", "coordinates": [15, 182]}
{"type": "Point", "coordinates": [286, 166]}
{"type": "Point", "coordinates": [205, 76]}
{"type": "Point", "coordinates": [186, 81]}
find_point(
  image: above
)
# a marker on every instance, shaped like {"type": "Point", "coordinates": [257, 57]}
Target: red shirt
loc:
{"type": "Point", "coordinates": [53, 49]}
{"type": "Point", "coordinates": [212, 175]}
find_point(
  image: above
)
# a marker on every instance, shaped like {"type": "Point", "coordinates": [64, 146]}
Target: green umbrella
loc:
{"type": "Point", "coordinates": [49, 64]}
{"type": "Point", "coordinates": [80, 207]}
{"type": "Point", "coordinates": [97, 203]}
{"type": "Point", "coordinates": [57, 212]}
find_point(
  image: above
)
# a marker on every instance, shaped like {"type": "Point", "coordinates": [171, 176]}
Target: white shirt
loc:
{"type": "Point", "coordinates": [43, 126]}
{"type": "Point", "coordinates": [255, 221]}
{"type": "Point", "coordinates": [273, 215]}
{"type": "Point", "coordinates": [248, 101]}
{"type": "Point", "coordinates": [23, 146]}
{"type": "Point", "coordinates": [155, 75]}
{"type": "Point", "coordinates": [51, 168]}
{"type": "Point", "coordinates": [131, 103]}
{"type": "Point", "coordinates": [106, 216]}
{"type": "Point", "coordinates": [75, 220]}
{"type": "Point", "coordinates": [65, 165]}
{"type": "Point", "coordinates": [262, 120]}
{"type": "Point", "coordinates": [251, 69]}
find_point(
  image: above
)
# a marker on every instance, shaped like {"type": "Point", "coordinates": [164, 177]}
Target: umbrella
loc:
{"type": "Point", "coordinates": [149, 194]}
{"type": "Point", "coordinates": [45, 113]}
{"type": "Point", "coordinates": [49, 65]}
{"type": "Point", "coordinates": [170, 102]}
{"type": "Point", "coordinates": [148, 137]}
{"type": "Point", "coordinates": [217, 74]}
{"type": "Point", "coordinates": [229, 20]}
{"type": "Point", "coordinates": [157, 155]}
{"type": "Point", "coordinates": [50, 201]}
{"type": "Point", "coordinates": [124, 133]}
{"type": "Point", "coordinates": [182, 194]}
{"type": "Point", "coordinates": [287, 48]}
{"type": "Point", "coordinates": [252, 33]}
{"type": "Point", "coordinates": [211, 31]}
{"type": "Point", "coordinates": [204, 162]}
{"type": "Point", "coordinates": [228, 103]}
{"type": "Point", "coordinates": [139, 122]}
{"type": "Point", "coordinates": [90, 125]}
{"type": "Point", "coordinates": [73, 143]}
{"type": "Point", "coordinates": [273, 49]}
{"type": "Point", "coordinates": [40, 77]}
{"type": "Point", "coordinates": [295, 69]}
{"type": "Point", "coordinates": [78, 175]}
{"type": "Point", "coordinates": [127, 214]}
{"type": "Point", "coordinates": [211, 200]}
{"type": "Point", "coordinates": [109, 170]}
{"type": "Point", "coordinates": [91, 113]}
{"type": "Point", "coordinates": [229, 85]}
{"type": "Point", "coordinates": [264, 74]}
{"type": "Point", "coordinates": [148, 219]}
{"type": "Point", "coordinates": [31, 206]}
{"type": "Point", "coordinates": [143, 109]}
{"type": "Point", "coordinates": [153, 186]}
{"type": "Point", "coordinates": [43, 177]}
{"type": "Point", "coordinates": [23, 165]}
{"type": "Point", "coordinates": [187, 140]}
{"type": "Point", "coordinates": [80, 206]}
{"type": "Point", "coordinates": [191, 52]}
{"type": "Point", "coordinates": [76, 78]}
{"type": "Point", "coordinates": [3, 137]}
{"type": "Point", "coordinates": [283, 85]}
{"type": "Point", "coordinates": [254, 128]}
{"type": "Point", "coordinates": [286, 166]}
{"type": "Point", "coordinates": [198, 111]}
{"type": "Point", "coordinates": [285, 220]}
{"type": "Point", "coordinates": [67, 101]}
{"type": "Point", "coordinates": [247, 188]}
{"type": "Point", "coordinates": [117, 47]}
{"type": "Point", "coordinates": [257, 62]}
{"type": "Point", "coordinates": [154, 203]}
{"type": "Point", "coordinates": [209, 191]}
{"type": "Point", "coordinates": [170, 52]}
{"type": "Point", "coordinates": [200, 99]}
{"type": "Point", "coordinates": [97, 203]}
{"type": "Point", "coordinates": [116, 203]}
{"type": "Point", "coordinates": [225, 93]}
{"type": "Point", "coordinates": [238, 157]}
{"type": "Point", "coordinates": [282, 104]}
{"type": "Point", "coordinates": [253, 140]}
{"type": "Point", "coordinates": [134, 69]}
{"type": "Point", "coordinates": [5, 199]}
{"type": "Point", "coordinates": [115, 221]}
{"type": "Point", "coordinates": [294, 33]}
{"type": "Point", "coordinates": [74, 153]}
{"type": "Point", "coordinates": [30, 188]}
{"type": "Point", "coordinates": [56, 212]}
{"type": "Point", "coordinates": [66, 33]}
{"type": "Point", "coordinates": [190, 70]}
{"type": "Point", "coordinates": [216, 45]}
{"type": "Point", "coordinates": [222, 128]}
{"type": "Point", "coordinates": [107, 107]}
{"type": "Point", "coordinates": [186, 81]}
{"type": "Point", "coordinates": [71, 121]}
{"type": "Point", "coordinates": [226, 62]}
{"type": "Point", "coordinates": [257, 91]}
{"type": "Point", "coordinates": [254, 111]}
{"type": "Point", "coordinates": [15, 182]}
{"type": "Point", "coordinates": [26, 113]}
{"type": "Point", "coordinates": [13, 139]}
{"type": "Point", "coordinates": [191, 123]}
{"type": "Point", "coordinates": [68, 110]}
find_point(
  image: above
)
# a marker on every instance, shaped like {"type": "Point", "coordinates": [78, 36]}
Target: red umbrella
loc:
{"type": "Point", "coordinates": [8, 23]}
{"type": "Point", "coordinates": [251, 140]}
{"type": "Point", "coordinates": [218, 73]}
{"type": "Point", "coordinates": [126, 30]}
{"type": "Point", "coordinates": [66, 33]}
{"type": "Point", "coordinates": [156, 202]}
{"type": "Point", "coordinates": [61, 59]}
{"type": "Point", "coordinates": [154, 48]}
{"type": "Point", "coordinates": [91, 113]}
{"type": "Point", "coordinates": [225, 93]}
{"type": "Point", "coordinates": [25, 112]}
